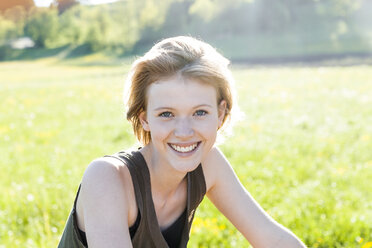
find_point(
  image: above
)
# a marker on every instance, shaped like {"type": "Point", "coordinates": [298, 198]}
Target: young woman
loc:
{"type": "Point", "coordinates": [179, 98]}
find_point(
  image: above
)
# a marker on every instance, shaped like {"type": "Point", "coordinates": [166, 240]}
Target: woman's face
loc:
{"type": "Point", "coordinates": [183, 118]}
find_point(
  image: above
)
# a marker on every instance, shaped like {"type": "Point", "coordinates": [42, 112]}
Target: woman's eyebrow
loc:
{"type": "Point", "coordinates": [163, 108]}
{"type": "Point", "coordinates": [203, 105]}
{"type": "Point", "coordinates": [195, 107]}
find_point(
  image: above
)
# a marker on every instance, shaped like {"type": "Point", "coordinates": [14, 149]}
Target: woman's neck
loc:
{"type": "Point", "coordinates": [165, 180]}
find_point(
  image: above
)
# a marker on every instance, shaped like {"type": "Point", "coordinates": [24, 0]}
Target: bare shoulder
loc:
{"type": "Point", "coordinates": [215, 156]}
{"type": "Point", "coordinates": [214, 165]}
{"type": "Point", "coordinates": [105, 200]}
{"type": "Point", "coordinates": [104, 170]}
{"type": "Point", "coordinates": [105, 175]}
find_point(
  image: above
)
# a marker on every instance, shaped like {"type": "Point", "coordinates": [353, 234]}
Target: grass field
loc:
{"type": "Point", "coordinates": [303, 150]}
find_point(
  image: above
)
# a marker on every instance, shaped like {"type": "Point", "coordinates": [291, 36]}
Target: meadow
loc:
{"type": "Point", "coordinates": [303, 148]}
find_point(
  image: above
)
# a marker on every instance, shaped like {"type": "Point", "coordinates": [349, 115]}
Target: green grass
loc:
{"type": "Point", "coordinates": [303, 149]}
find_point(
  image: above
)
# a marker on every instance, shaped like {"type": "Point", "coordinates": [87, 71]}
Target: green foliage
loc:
{"type": "Point", "coordinates": [108, 27]}
{"type": "Point", "coordinates": [302, 151]}
{"type": "Point", "coordinates": [72, 27]}
{"type": "Point", "coordinates": [11, 27]}
{"type": "Point", "coordinates": [98, 30]}
{"type": "Point", "coordinates": [7, 29]}
{"type": "Point", "coordinates": [295, 27]}
{"type": "Point", "coordinates": [337, 8]}
{"type": "Point", "coordinates": [63, 5]}
{"type": "Point", "coordinates": [12, 22]}
{"type": "Point", "coordinates": [42, 27]}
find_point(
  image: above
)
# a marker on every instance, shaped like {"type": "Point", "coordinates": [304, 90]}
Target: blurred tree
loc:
{"type": "Point", "coordinates": [335, 16]}
{"type": "Point", "coordinates": [151, 19]}
{"type": "Point", "coordinates": [63, 5]}
{"type": "Point", "coordinates": [125, 16]}
{"type": "Point", "coordinates": [42, 27]}
{"type": "Point", "coordinates": [73, 27]}
{"type": "Point", "coordinates": [210, 9]}
{"type": "Point", "coordinates": [98, 35]}
{"type": "Point", "coordinates": [7, 4]}
{"type": "Point", "coordinates": [17, 15]}
{"type": "Point", "coordinates": [337, 8]}
{"type": "Point", "coordinates": [206, 9]}
{"type": "Point", "coordinates": [106, 27]}
{"type": "Point", "coordinates": [177, 18]}
{"type": "Point", "coordinates": [150, 13]}
{"type": "Point", "coordinates": [7, 28]}
{"type": "Point", "coordinates": [130, 25]}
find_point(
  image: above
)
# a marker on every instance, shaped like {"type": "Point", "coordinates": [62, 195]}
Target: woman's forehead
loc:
{"type": "Point", "coordinates": [180, 91]}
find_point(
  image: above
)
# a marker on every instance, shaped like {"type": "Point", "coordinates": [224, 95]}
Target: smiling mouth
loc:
{"type": "Point", "coordinates": [183, 148]}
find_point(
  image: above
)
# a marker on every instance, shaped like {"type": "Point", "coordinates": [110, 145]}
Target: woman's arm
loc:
{"type": "Point", "coordinates": [104, 204]}
{"type": "Point", "coordinates": [234, 201]}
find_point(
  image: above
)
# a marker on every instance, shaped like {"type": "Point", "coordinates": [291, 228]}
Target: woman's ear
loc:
{"type": "Point", "coordinates": [143, 120]}
{"type": "Point", "coordinates": [221, 112]}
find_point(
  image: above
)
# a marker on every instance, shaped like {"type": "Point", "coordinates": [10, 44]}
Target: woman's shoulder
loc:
{"type": "Point", "coordinates": [106, 171]}
{"type": "Point", "coordinates": [215, 158]}
{"type": "Point", "coordinates": [103, 168]}
{"type": "Point", "coordinates": [106, 198]}
{"type": "Point", "coordinates": [214, 163]}
{"type": "Point", "coordinates": [107, 176]}
{"type": "Point", "coordinates": [107, 184]}
{"type": "Point", "coordinates": [108, 165]}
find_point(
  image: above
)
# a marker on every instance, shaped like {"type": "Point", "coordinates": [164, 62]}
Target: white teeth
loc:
{"type": "Point", "coordinates": [184, 149]}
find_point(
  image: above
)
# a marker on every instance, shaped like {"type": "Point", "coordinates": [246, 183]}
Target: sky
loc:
{"type": "Point", "coordinates": [46, 3]}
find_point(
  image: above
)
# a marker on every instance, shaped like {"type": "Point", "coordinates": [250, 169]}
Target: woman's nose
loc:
{"type": "Point", "coordinates": [184, 128]}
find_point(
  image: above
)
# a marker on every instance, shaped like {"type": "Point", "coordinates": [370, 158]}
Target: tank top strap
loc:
{"type": "Point", "coordinates": [148, 226]}
{"type": "Point", "coordinates": [197, 186]}
{"type": "Point", "coordinates": [137, 179]}
{"type": "Point", "coordinates": [76, 197]}
{"type": "Point", "coordinates": [196, 190]}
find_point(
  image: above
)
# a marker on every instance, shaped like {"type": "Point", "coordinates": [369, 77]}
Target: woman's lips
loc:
{"type": "Point", "coordinates": [184, 148]}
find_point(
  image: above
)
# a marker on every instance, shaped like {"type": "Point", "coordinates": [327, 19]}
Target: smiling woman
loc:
{"type": "Point", "coordinates": [179, 97]}
{"type": "Point", "coordinates": [183, 127]}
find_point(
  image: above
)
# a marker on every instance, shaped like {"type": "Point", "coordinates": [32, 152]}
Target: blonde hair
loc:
{"type": "Point", "coordinates": [186, 56]}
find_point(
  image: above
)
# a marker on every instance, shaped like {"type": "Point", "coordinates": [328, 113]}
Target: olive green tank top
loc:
{"type": "Point", "coordinates": [148, 233]}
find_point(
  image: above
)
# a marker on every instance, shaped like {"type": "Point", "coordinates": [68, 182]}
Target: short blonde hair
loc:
{"type": "Point", "coordinates": [186, 56]}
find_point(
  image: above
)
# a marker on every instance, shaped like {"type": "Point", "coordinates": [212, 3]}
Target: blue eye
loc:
{"type": "Point", "coordinates": [200, 113]}
{"type": "Point", "coordinates": [166, 114]}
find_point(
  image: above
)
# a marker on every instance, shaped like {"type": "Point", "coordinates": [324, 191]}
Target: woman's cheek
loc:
{"type": "Point", "coordinates": [160, 129]}
{"type": "Point", "coordinates": [209, 126]}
